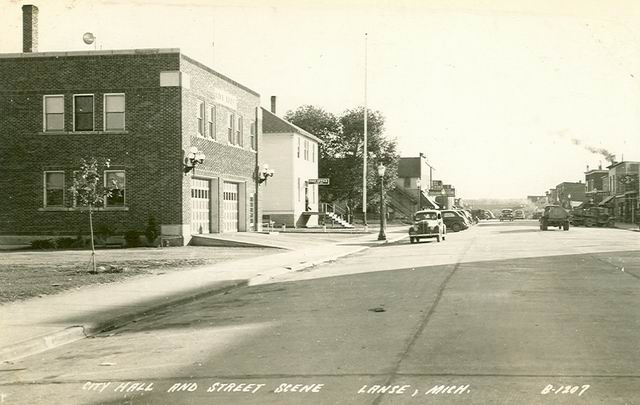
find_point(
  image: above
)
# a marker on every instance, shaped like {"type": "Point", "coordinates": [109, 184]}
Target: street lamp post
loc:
{"type": "Point", "coordinates": [569, 198]}
{"type": "Point", "coordinates": [383, 217]}
{"type": "Point", "coordinates": [418, 184]}
{"type": "Point", "coordinates": [445, 203]}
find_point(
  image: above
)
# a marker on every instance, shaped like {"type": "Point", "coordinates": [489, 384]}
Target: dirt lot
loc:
{"type": "Point", "coordinates": [30, 273]}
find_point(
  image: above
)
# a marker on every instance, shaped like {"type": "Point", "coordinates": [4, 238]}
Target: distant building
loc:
{"type": "Point", "coordinates": [595, 182]}
{"type": "Point", "coordinates": [623, 190]}
{"type": "Point", "coordinates": [413, 182]}
{"type": "Point", "coordinates": [569, 192]}
{"type": "Point", "coordinates": [444, 194]}
{"type": "Point", "coordinates": [291, 197]}
{"type": "Point", "coordinates": [539, 200]}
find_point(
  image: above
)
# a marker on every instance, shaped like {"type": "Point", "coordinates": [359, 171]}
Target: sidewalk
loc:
{"type": "Point", "coordinates": [40, 324]}
{"type": "Point", "coordinates": [627, 226]}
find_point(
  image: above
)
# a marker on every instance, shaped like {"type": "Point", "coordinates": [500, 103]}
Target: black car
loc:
{"type": "Point", "coordinates": [454, 220]}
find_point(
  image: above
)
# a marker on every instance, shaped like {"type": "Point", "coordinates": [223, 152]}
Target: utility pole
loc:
{"type": "Point", "coordinates": [364, 166]}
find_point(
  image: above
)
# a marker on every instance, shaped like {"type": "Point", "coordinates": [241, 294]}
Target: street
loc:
{"type": "Point", "coordinates": [502, 313]}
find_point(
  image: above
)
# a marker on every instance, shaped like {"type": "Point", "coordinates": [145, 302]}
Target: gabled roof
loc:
{"type": "Point", "coordinates": [272, 124]}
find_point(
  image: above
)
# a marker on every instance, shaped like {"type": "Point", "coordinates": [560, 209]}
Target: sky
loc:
{"type": "Point", "coordinates": [506, 98]}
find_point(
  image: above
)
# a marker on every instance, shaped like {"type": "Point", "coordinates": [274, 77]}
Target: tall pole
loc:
{"type": "Point", "coordinates": [364, 166]}
{"type": "Point", "coordinates": [383, 217]}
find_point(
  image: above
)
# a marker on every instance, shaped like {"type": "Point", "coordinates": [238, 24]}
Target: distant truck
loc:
{"type": "Point", "coordinates": [554, 215]}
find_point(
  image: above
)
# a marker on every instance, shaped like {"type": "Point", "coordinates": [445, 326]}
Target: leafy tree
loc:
{"type": "Point", "coordinates": [341, 156]}
{"type": "Point", "coordinates": [89, 191]}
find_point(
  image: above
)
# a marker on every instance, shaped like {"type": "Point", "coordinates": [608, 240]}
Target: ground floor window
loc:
{"type": "Point", "coordinates": [53, 189]}
{"type": "Point", "coordinates": [115, 183]}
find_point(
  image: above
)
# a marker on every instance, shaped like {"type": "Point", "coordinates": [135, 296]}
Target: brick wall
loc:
{"type": "Point", "coordinates": [149, 149]}
{"type": "Point", "coordinates": [224, 161]}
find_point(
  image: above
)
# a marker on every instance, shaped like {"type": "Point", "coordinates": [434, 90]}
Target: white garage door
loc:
{"type": "Point", "coordinates": [200, 206]}
{"type": "Point", "coordinates": [230, 207]}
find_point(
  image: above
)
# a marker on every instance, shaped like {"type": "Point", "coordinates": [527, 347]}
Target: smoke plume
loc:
{"type": "Point", "coordinates": [610, 157]}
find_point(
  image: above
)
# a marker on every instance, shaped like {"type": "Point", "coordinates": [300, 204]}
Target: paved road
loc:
{"type": "Point", "coordinates": [499, 314]}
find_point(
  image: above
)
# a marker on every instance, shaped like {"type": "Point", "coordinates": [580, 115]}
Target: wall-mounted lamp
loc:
{"type": "Point", "coordinates": [192, 159]}
{"type": "Point", "coordinates": [264, 173]}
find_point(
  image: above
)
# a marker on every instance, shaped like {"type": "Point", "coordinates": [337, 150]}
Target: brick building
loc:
{"type": "Point", "coordinates": [570, 193]}
{"type": "Point", "coordinates": [623, 185]}
{"type": "Point", "coordinates": [142, 109]}
{"type": "Point", "coordinates": [595, 182]}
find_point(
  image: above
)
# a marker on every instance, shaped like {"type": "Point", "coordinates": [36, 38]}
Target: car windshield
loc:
{"type": "Point", "coordinates": [421, 216]}
{"type": "Point", "coordinates": [506, 211]}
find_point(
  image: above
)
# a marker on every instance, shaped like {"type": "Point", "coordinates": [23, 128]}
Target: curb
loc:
{"type": "Point", "coordinates": [265, 277]}
{"type": "Point", "coordinates": [74, 333]}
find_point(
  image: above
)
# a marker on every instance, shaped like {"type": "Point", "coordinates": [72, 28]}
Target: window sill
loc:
{"type": "Point", "coordinates": [81, 209]}
{"type": "Point", "coordinates": [118, 132]}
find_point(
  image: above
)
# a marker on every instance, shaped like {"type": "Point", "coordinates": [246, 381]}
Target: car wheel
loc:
{"type": "Point", "coordinates": [566, 226]}
{"type": "Point", "coordinates": [412, 239]}
{"type": "Point", "coordinates": [455, 227]}
{"type": "Point", "coordinates": [438, 238]}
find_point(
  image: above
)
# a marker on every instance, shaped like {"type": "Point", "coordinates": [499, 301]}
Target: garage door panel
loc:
{"type": "Point", "coordinates": [200, 206]}
{"type": "Point", "coordinates": [230, 207]}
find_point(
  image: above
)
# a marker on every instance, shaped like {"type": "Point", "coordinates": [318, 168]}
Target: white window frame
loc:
{"type": "Point", "coordinates": [299, 191]}
{"type": "Point", "coordinates": [306, 149]}
{"type": "Point", "coordinates": [212, 121]}
{"type": "Point", "coordinates": [313, 152]}
{"type": "Point", "coordinates": [93, 113]}
{"type": "Point", "coordinates": [254, 135]}
{"type": "Point", "coordinates": [298, 153]}
{"type": "Point", "coordinates": [200, 112]}
{"type": "Point", "coordinates": [124, 202]}
{"type": "Point", "coordinates": [104, 112]}
{"type": "Point", "coordinates": [240, 131]}
{"type": "Point", "coordinates": [44, 188]}
{"type": "Point", "coordinates": [44, 112]}
{"type": "Point", "coordinates": [231, 122]}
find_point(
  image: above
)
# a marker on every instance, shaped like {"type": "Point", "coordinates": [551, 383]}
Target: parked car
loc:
{"type": "Point", "coordinates": [554, 215]}
{"type": "Point", "coordinates": [489, 214]}
{"type": "Point", "coordinates": [506, 214]}
{"type": "Point", "coordinates": [427, 224]}
{"type": "Point", "coordinates": [454, 220]}
{"type": "Point", "coordinates": [465, 215]}
{"type": "Point", "coordinates": [518, 214]}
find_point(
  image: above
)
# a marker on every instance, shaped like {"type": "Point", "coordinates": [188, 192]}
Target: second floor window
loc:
{"type": "Point", "coordinates": [230, 125]}
{"type": "Point", "coordinates": [253, 136]}
{"type": "Point", "coordinates": [200, 118]}
{"type": "Point", "coordinates": [83, 112]}
{"type": "Point", "coordinates": [239, 132]}
{"type": "Point", "coordinates": [306, 149]}
{"type": "Point", "coordinates": [54, 113]}
{"type": "Point", "coordinates": [212, 122]}
{"type": "Point", "coordinates": [298, 150]}
{"type": "Point", "coordinates": [113, 112]}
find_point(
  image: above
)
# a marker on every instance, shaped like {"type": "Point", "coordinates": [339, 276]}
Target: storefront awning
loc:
{"type": "Point", "coordinates": [431, 203]}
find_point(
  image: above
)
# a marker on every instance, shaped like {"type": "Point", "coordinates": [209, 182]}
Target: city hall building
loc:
{"type": "Point", "coordinates": [150, 112]}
